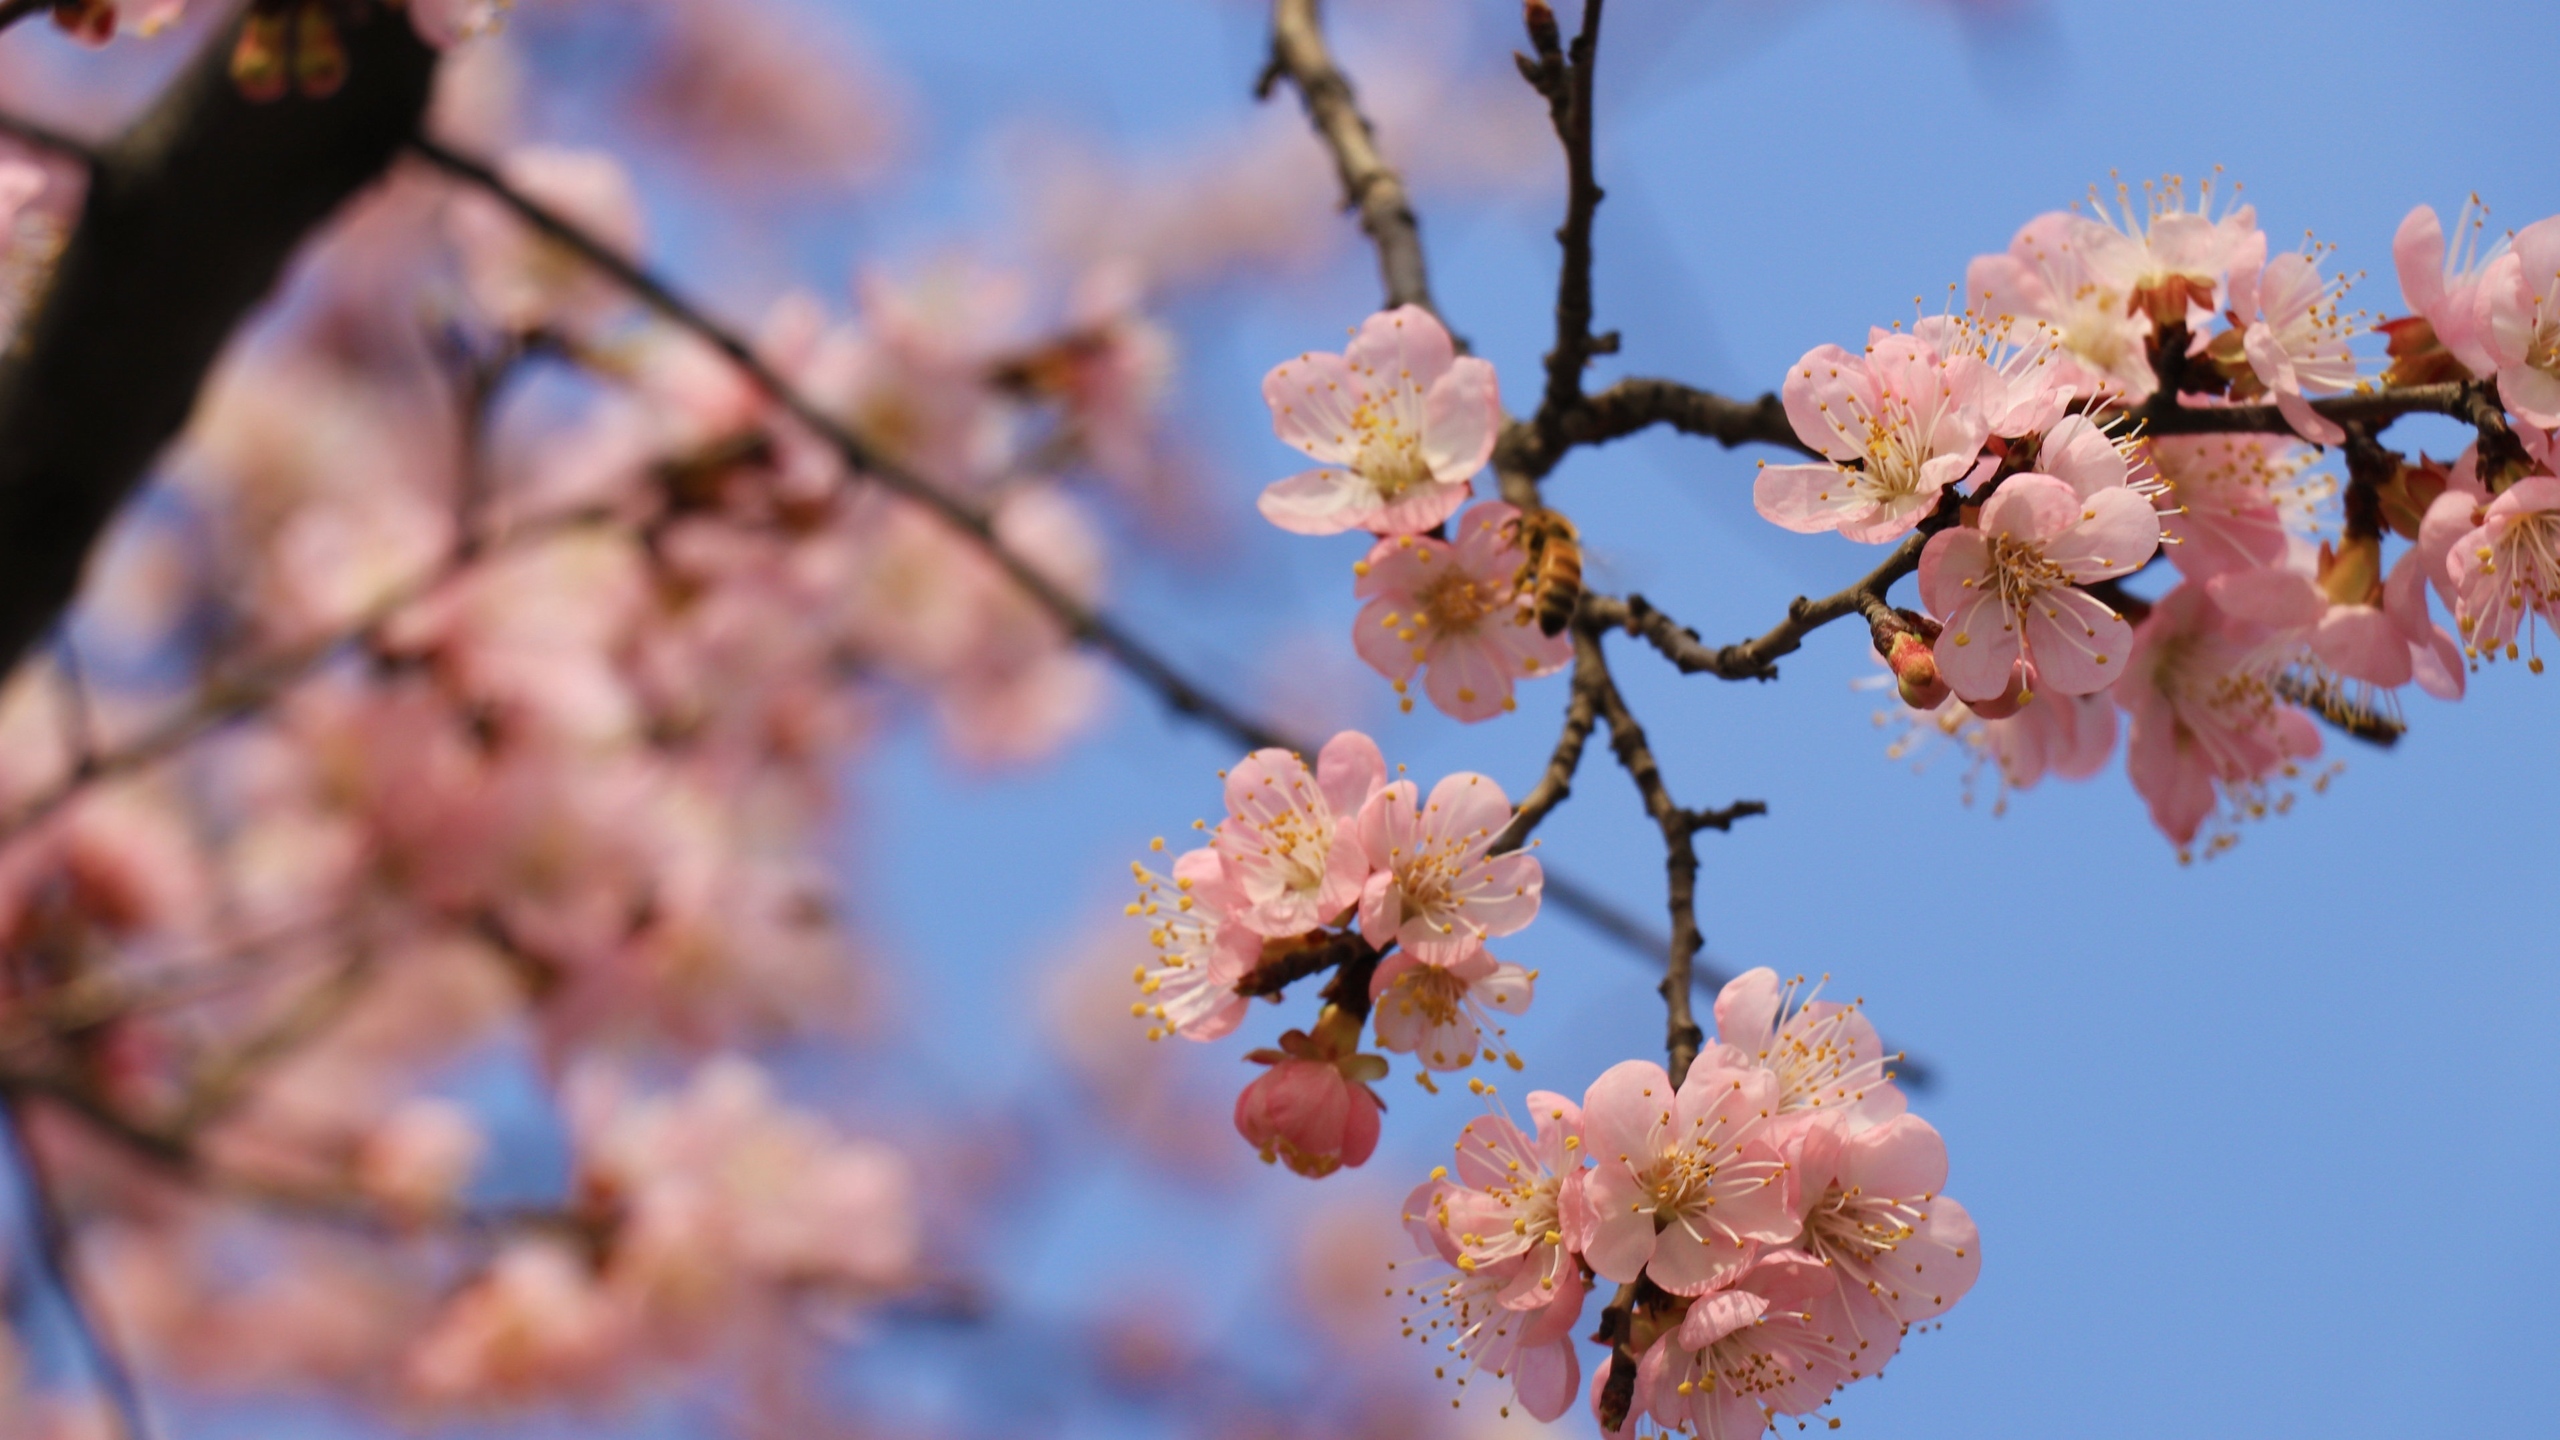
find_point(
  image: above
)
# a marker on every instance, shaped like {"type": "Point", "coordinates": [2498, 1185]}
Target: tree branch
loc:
{"type": "Point", "coordinates": [190, 217]}
{"type": "Point", "coordinates": [1082, 623]}
{"type": "Point", "coordinates": [1369, 184]}
{"type": "Point", "coordinates": [1755, 659]}
{"type": "Point", "coordinates": [1679, 842]}
{"type": "Point", "coordinates": [2163, 415]}
{"type": "Point", "coordinates": [54, 1254]}
{"type": "Point", "coordinates": [1566, 80]}
{"type": "Point", "coordinates": [13, 11]}
{"type": "Point", "coordinates": [1142, 662]}
{"type": "Point", "coordinates": [1581, 713]}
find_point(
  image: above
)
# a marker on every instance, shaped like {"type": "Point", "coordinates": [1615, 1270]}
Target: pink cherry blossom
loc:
{"type": "Point", "coordinates": [1435, 888]}
{"type": "Point", "coordinates": [1684, 1186]}
{"type": "Point", "coordinates": [1505, 1215]}
{"type": "Point", "coordinates": [2008, 590]}
{"type": "Point", "coordinates": [2443, 287]}
{"type": "Point", "coordinates": [1438, 1013]}
{"type": "Point", "coordinates": [537, 1324]}
{"type": "Point", "coordinates": [2382, 638]}
{"type": "Point", "coordinates": [1402, 419]}
{"type": "Point", "coordinates": [2049, 275]}
{"type": "Point", "coordinates": [2066, 735]}
{"type": "Point", "coordinates": [731, 1184]}
{"type": "Point", "coordinates": [1897, 426]}
{"type": "Point", "coordinates": [1290, 840]}
{"type": "Point", "coordinates": [422, 1154]}
{"type": "Point", "coordinates": [1454, 611]}
{"type": "Point", "coordinates": [1746, 1353]}
{"type": "Point", "coordinates": [2520, 303]}
{"type": "Point", "coordinates": [2205, 721]}
{"type": "Point", "coordinates": [1313, 1109]}
{"type": "Point", "coordinates": [1899, 1252]}
{"type": "Point", "coordinates": [2298, 341]}
{"type": "Point", "coordinates": [1512, 1306]}
{"type": "Point", "coordinates": [2506, 573]}
{"type": "Point", "coordinates": [2168, 257]}
{"type": "Point", "coordinates": [2027, 381]}
{"type": "Point", "coordinates": [1204, 948]}
{"type": "Point", "coordinates": [2435, 658]}
{"type": "Point", "coordinates": [2233, 502]}
{"type": "Point", "coordinates": [1826, 1055]}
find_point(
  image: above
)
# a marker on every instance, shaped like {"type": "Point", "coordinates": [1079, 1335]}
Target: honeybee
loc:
{"type": "Point", "coordinates": [1550, 567]}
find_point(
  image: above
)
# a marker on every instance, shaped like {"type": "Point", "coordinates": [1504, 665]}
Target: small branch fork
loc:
{"type": "Point", "coordinates": [1566, 79]}
{"type": "Point", "coordinates": [1679, 828]}
{"type": "Point", "coordinates": [1757, 659]}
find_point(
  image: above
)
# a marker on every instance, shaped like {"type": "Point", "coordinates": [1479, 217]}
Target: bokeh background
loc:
{"type": "Point", "coordinates": [2258, 1146]}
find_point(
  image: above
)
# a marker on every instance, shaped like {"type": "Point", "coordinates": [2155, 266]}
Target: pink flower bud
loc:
{"type": "Point", "coordinates": [1313, 1109]}
{"type": "Point", "coordinates": [1915, 669]}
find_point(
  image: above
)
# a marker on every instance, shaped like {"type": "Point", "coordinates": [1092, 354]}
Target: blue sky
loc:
{"type": "Point", "coordinates": [2247, 1154]}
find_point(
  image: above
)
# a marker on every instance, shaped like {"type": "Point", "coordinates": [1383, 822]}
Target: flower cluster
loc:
{"type": "Point", "coordinates": [517, 674]}
{"type": "Point", "coordinates": [2039, 441]}
{"type": "Point", "coordinates": [1402, 423]}
{"type": "Point", "coordinates": [719, 1201]}
{"type": "Point", "coordinates": [1340, 868]}
{"type": "Point", "coordinates": [1775, 1218]}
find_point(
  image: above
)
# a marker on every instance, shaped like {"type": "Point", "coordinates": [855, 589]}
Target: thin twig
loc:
{"type": "Point", "coordinates": [54, 1253]}
{"type": "Point", "coordinates": [1680, 849]}
{"type": "Point", "coordinates": [1142, 662]}
{"type": "Point", "coordinates": [1566, 79]}
{"type": "Point", "coordinates": [1755, 659]}
{"type": "Point", "coordinates": [220, 1087]}
{"type": "Point", "coordinates": [1081, 622]}
{"type": "Point", "coordinates": [1369, 183]}
{"type": "Point", "coordinates": [1581, 713]}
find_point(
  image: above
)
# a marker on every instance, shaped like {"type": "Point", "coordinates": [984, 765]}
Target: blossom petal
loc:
{"type": "Point", "coordinates": [2116, 534]}
{"type": "Point", "coordinates": [1807, 499]}
{"type": "Point", "coordinates": [1461, 414]}
{"type": "Point", "coordinates": [1311, 400]}
{"type": "Point", "coordinates": [1407, 345]}
{"type": "Point", "coordinates": [1319, 502]}
{"type": "Point", "coordinates": [2078, 643]}
{"type": "Point", "coordinates": [2362, 643]}
{"type": "Point", "coordinates": [2032, 508]}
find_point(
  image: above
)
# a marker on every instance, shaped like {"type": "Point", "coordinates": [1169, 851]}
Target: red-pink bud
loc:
{"type": "Point", "coordinates": [1915, 670]}
{"type": "Point", "coordinates": [1313, 1110]}
{"type": "Point", "coordinates": [1310, 1116]}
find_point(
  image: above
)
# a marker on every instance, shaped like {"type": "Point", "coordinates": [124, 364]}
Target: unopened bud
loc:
{"type": "Point", "coordinates": [258, 64]}
{"type": "Point", "coordinates": [319, 56]}
{"type": "Point", "coordinates": [1915, 671]}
